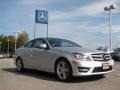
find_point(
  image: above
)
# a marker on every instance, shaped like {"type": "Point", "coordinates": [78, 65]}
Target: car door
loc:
{"type": "Point", "coordinates": [27, 53]}
{"type": "Point", "coordinates": [41, 56]}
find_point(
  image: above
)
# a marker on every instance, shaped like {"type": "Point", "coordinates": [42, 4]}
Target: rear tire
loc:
{"type": "Point", "coordinates": [63, 70]}
{"type": "Point", "coordinates": [19, 65]}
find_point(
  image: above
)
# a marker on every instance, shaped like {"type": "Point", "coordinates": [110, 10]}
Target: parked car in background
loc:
{"type": "Point", "coordinates": [12, 54]}
{"type": "Point", "coordinates": [117, 51]}
{"type": "Point", "coordinates": [115, 56]}
{"type": "Point", "coordinates": [2, 54]}
{"type": "Point", "coordinates": [63, 57]}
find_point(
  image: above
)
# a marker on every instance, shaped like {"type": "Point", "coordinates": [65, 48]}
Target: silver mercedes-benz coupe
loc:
{"type": "Point", "coordinates": [63, 57]}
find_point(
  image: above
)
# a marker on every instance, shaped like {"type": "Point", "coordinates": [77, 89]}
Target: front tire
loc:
{"type": "Point", "coordinates": [19, 65]}
{"type": "Point", "coordinates": [63, 70]}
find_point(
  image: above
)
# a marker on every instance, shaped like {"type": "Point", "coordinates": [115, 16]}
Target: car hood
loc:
{"type": "Point", "coordinates": [75, 49]}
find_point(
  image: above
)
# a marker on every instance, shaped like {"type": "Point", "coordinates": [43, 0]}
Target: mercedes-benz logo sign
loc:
{"type": "Point", "coordinates": [104, 57]}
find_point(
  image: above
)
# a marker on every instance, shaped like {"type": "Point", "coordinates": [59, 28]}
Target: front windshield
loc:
{"type": "Point", "coordinates": [61, 43]}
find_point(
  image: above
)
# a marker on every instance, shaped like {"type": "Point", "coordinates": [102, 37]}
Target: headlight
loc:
{"type": "Point", "coordinates": [80, 56]}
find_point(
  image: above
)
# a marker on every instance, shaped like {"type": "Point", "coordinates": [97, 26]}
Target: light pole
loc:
{"type": "Point", "coordinates": [8, 46]}
{"type": "Point", "coordinates": [16, 34]}
{"type": "Point", "coordinates": [109, 8]}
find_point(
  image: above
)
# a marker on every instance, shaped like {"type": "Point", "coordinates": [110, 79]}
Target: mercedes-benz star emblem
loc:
{"type": "Point", "coordinates": [41, 16]}
{"type": "Point", "coordinates": [104, 57]}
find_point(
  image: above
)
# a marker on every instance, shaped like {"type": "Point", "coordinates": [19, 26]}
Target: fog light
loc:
{"type": "Point", "coordinates": [83, 69]}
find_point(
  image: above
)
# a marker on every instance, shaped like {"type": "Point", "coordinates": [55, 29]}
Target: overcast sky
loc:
{"type": "Point", "coordinates": [82, 21]}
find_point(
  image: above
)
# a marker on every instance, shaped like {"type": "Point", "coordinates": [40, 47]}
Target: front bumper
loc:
{"type": "Point", "coordinates": [88, 68]}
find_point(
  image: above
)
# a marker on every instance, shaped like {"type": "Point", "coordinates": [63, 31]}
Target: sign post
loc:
{"type": "Point", "coordinates": [41, 16]}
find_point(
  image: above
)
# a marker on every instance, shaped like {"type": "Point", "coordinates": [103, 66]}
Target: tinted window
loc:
{"type": "Point", "coordinates": [29, 44]}
{"type": "Point", "coordinates": [61, 43]}
{"type": "Point", "coordinates": [117, 50]}
{"type": "Point", "coordinates": [38, 42]}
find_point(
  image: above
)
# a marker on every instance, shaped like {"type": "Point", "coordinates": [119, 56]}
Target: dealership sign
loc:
{"type": "Point", "coordinates": [41, 16]}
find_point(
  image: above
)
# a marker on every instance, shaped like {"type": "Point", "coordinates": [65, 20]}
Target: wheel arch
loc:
{"type": "Point", "coordinates": [61, 58]}
{"type": "Point", "coordinates": [17, 59]}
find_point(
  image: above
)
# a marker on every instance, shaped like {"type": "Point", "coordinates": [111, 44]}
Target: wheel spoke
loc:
{"type": "Point", "coordinates": [64, 75]}
{"type": "Point", "coordinates": [60, 73]}
{"type": "Point", "coordinates": [60, 68]}
{"type": "Point", "coordinates": [19, 65]}
{"type": "Point", "coordinates": [63, 64]}
{"type": "Point", "coordinates": [66, 70]}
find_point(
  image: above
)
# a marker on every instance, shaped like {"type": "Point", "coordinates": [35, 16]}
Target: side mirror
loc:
{"type": "Point", "coordinates": [43, 46]}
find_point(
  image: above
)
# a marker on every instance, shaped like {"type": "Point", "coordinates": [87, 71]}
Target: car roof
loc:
{"type": "Point", "coordinates": [50, 38]}
{"type": "Point", "coordinates": [46, 38]}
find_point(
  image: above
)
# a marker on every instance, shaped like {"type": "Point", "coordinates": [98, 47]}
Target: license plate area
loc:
{"type": "Point", "coordinates": [105, 66]}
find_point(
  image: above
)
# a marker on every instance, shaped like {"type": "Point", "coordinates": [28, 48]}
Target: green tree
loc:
{"type": "Point", "coordinates": [4, 44]}
{"type": "Point", "coordinates": [1, 37]}
{"type": "Point", "coordinates": [1, 40]}
{"type": "Point", "coordinates": [22, 39]}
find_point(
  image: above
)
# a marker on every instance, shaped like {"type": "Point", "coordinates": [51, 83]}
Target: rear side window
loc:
{"type": "Point", "coordinates": [29, 44]}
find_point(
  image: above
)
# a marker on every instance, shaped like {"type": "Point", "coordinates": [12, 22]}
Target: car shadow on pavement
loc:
{"type": "Point", "coordinates": [51, 77]}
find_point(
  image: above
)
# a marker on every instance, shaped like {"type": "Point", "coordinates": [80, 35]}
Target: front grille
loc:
{"type": "Point", "coordinates": [100, 69]}
{"type": "Point", "coordinates": [100, 57]}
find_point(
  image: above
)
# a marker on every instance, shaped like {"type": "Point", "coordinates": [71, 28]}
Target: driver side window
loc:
{"type": "Point", "coordinates": [38, 42]}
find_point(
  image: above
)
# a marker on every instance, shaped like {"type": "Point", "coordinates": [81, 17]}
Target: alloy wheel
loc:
{"type": "Point", "coordinates": [63, 70]}
{"type": "Point", "coordinates": [19, 65]}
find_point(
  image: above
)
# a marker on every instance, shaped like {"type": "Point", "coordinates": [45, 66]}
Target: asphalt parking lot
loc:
{"type": "Point", "coordinates": [38, 80]}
